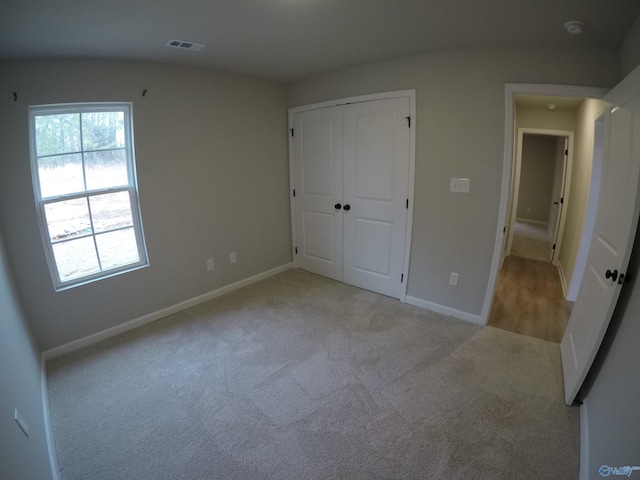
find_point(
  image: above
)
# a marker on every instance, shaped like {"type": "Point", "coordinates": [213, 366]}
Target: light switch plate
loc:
{"type": "Point", "coordinates": [460, 185]}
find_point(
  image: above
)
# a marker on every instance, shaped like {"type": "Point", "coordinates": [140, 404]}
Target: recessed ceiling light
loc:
{"type": "Point", "coordinates": [193, 46]}
{"type": "Point", "coordinates": [574, 27]}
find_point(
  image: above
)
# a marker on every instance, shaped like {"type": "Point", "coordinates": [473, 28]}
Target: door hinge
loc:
{"type": "Point", "coordinates": [291, 130]}
{"type": "Point", "coordinates": [407, 203]}
{"type": "Point", "coordinates": [294, 192]}
{"type": "Point", "coordinates": [562, 200]}
{"type": "Point", "coordinates": [402, 278]}
{"type": "Point", "coordinates": [504, 229]}
{"type": "Point", "coordinates": [408, 121]}
{"type": "Point", "coordinates": [554, 246]}
{"type": "Point", "coordinates": [566, 152]}
{"type": "Point", "coordinates": [296, 250]}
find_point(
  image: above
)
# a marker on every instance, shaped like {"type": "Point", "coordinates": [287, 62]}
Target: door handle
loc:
{"type": "Point", "coordinates": [612, 275]}
{"type": "Point", "coordinates": [555, 203]}
{"type": "Point", "coordinates": [337, 206]}
{"type": "Point", "coordinates": [347, 207]}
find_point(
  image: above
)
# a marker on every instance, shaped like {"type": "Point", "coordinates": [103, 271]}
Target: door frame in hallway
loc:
{"type": "Point", "coordinates": [566, 181]}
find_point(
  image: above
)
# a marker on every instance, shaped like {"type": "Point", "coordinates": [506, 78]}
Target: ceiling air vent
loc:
{"type": "Point", "coordinates": [193, 46]}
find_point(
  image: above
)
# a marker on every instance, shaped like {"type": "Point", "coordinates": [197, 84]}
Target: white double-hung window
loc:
{"type": "Point", "coordinates": [84, 180]}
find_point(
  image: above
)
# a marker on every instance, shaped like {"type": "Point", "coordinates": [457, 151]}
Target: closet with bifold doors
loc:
{"type": "Point", "coordinates": [351, 167]}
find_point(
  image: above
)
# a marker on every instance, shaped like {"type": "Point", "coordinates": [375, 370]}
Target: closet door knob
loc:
{"type": "Point", "coordinates": [347, 207]}
{"type": "Point", "coordinates": [612, 275]}
{"type": "Point", "coordinates": [337, 206]}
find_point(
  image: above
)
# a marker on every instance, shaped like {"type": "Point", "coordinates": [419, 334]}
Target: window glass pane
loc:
{"type": "Point", "coordinates": [117, 248]}
{"type": "Point", "coordinates": [76, 258]}
{"type": "Point", "coordinates": [57, 134]}
{"type": "Point", "coordinates": [102, 130]}
{"type": "Point", "coordinates": [67, 219]}
{"type": "Point", "coordinates": [60, 175]}
{"type": "Point", "coordinates": [111, 211]}
{"type": "Point", "coordinates": [106, 169]}
{"type": "Point", "coordinates": [83, 150]}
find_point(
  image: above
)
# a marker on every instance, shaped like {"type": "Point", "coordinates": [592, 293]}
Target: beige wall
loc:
{"type": "Point", "coordinates": [21, 388]}
{"type": "Point", "coordinates": [459, 133]}
{"type": "Point", "coordinates": [533, 117]}
{"type": "Point", "coordinates": [211, 152]}
{"type": "Point", "coordinates": [580, 183]}
{"type": "Point", "coordinates": [213, 174]}
{"type": "Point", "coordinates": [536, 177]}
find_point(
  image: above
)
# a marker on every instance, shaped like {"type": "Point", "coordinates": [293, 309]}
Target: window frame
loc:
{"type": "Point", "coordinates": [131, 188]}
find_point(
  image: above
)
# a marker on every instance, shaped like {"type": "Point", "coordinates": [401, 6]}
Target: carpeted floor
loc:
{"type": "Point", "coordinates": [301, 377]}
{"type": "Point", "coordinates": [531, 241]}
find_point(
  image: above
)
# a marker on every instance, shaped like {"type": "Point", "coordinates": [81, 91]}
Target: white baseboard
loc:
{"type": "Point", "coordinates": [137, 322]}
{"type": "Point", "coordinates": [584, 441]}
{"type": "Point", "coordinates": [452, 312]}
{"type": "Point", "coordinates": [563, 280]}
{"type": "Point", "coordinates": [534, 222]}
{"type": "Point", "coordinates": [48, 431]}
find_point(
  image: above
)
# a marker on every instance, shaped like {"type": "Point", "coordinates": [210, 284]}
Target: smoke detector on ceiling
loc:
{"type": "Point", "coordinates": [574, 27]}
{"type": "Point", "coordinates": [193, 46]}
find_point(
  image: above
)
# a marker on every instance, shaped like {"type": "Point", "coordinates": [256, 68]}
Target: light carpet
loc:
{"type": "Point", "coordinates": [302, 377]}
{"type": "Point", "coordinates": [531, 241]}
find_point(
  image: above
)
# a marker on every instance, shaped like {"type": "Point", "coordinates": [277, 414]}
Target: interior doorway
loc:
{"type": "Point", "coordinates": [541, 187]}
{"type": "Point", "coordinates": [530, 295]}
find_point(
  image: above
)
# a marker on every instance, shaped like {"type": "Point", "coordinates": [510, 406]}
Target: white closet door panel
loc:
{"type": "Point", "coordinates": [373, 151]}
{"type": "Point", "coordinates": [318, 177]}
{"type": "Point", "coordinates": [318, 234]}
{"type": "Point", "coordinates": [376, 176]}
{"type": "Point", "coordinates": [373, 236]}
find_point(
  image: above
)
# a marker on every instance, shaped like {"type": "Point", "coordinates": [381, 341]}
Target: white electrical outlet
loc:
{"type": "Point", "coordinates": [232, 257]}
{"type": "Point", "coordinates": [210, 265]}
{"type": "Point", "coordinates": [460, 185]}
{"type": "Point", "coordinates": [22, 423]}
{"type": "Point", "coordinates": [453, 279]}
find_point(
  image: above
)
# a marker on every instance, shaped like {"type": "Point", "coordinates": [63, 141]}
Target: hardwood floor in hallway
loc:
{"type": "Point", "coordinates": [528, 300]}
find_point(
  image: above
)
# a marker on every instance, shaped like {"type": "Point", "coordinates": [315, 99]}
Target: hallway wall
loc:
{"type": "Point", "coordinates": [536, 178]}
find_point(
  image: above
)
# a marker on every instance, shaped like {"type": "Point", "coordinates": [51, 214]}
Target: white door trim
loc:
{"type": "Point", "coordinates": [511, 90]}
{"type": "Point", "coordinates": [516, 183]}
{"type": "Point", "coordinates": [412, 166]}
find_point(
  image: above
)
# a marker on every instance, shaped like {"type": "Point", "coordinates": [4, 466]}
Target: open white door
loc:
{"type": "Point", "coordinates": [615, 227]}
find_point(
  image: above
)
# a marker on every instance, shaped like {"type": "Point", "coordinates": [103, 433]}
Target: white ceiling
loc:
{"type": "Point", "coordinates": [286, 40]}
